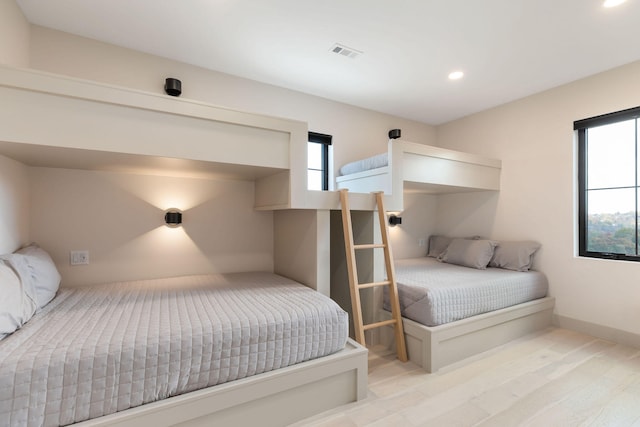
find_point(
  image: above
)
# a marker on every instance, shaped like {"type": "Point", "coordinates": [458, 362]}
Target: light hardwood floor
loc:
{"type": "Point", "coordinates": [555, 377]}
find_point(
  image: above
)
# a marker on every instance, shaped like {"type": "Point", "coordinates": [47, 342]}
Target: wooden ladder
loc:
{"type": "Point", "coordinates": [355, 286]}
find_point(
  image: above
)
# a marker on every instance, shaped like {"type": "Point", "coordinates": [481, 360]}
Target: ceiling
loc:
{"type": "Point", "coordinates": [508, 49]}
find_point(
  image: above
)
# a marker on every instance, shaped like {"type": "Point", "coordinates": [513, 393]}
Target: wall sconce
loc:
{"type": "Point", "coordinates": [173, 218]}
{"type": "Point", "coordinates": [173, 86]}
{"type": "Point", "coordinates": [394, 220]}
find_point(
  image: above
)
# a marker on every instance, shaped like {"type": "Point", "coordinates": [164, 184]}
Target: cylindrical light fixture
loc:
{"type": "Point", "coordinates": [394, 220]}
{"type": "Point", "coordinates": [173, 86]}
{"type": "Point", "coordinates": [173, 218]}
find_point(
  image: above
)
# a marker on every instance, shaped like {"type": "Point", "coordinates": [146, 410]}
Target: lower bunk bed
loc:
{"type": "Point", "coordinates": [452, 312]}
{"type": "Point", "coordinates": [232, 349]}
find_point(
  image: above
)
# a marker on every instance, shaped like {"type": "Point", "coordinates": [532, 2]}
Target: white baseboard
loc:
{"type": "Point", "coordinates": [598, 331]}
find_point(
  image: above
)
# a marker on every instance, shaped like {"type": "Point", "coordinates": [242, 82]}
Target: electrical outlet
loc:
{"type": "Point", "coordinates": [422, 242]}
{"type": "Point", "coordinates": [79, 257]}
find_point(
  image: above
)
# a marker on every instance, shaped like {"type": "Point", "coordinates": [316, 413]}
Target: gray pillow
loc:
{"type": "Point", "coordinates": [437, 245]}
{"type": "Point", "coordinates": [516, 256]}
{"type": "Point", "coordinates": [469, 253]}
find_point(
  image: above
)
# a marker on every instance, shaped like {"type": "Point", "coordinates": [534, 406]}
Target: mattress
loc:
{"type": "Point", "coordinates": [374, 162]}
{"type": "Point", "coordinates": [433, 293]}
{"type": "Point", "coordinates": [97, 350]}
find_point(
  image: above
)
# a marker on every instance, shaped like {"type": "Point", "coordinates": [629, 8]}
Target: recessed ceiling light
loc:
{"type": "Point", "coordinates": [612, 3]}
{"type": "Point", "coordinates": [456, 75]}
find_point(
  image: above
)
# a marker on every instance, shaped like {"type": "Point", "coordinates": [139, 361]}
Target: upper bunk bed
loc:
{"type": "Point", "coordinates": [411, 167]}
{"type": "Point", "coordinates": [57, 121]}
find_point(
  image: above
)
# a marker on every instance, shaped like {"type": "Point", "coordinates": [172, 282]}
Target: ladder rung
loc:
{"type": "Point", "coordinates": [379, 324]}
{"type": "Point", "coordinates": [369, 246]}
{"type": "Point", "coordinates": [373, 284]}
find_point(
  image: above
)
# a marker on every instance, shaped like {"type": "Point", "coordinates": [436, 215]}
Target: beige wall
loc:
{"type": "Point", "coordinates": [14, 205]}
{"type": "Point", "coordinates": [118, 218]}
{"type": "Point", "coordinates": [418, 222]}
{"type": "Point", "coordinates": [534, 138]}
{"type": "Point", "coordinates": [14, 35]}
{"type": "Point", "coordinates": [302, 247]}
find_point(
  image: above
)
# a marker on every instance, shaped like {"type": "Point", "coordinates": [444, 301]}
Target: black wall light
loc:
{"type": "Point", "coordinates": [394, 133]}
{"type": "Point", "coordinates": [173, 218]}
{"type": "Point", "coordinates": [394, 220]}
{"type": "Point", "coordinates": [173, 86]}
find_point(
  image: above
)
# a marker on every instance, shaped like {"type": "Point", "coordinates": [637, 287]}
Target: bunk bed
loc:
{"type": "Point", "coordinates": [410, 167]}
{"type": "Point", "coordinates": [54, 121]}
{"type": "Point", "coordinates": [57, 121]}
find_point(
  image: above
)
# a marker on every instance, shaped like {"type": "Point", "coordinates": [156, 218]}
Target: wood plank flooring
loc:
{"type": "Point", "coordinates": [555, 377]}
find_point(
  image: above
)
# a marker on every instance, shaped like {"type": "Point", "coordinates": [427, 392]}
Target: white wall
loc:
{"type": "Point", "coordinates": [534, 138]}
{"type": "Point", "coordinates": [118, 217]}
{"type": "Point", "coordinates": [14, 35]}
{"type": "Point", "coordinates": [14, 205]}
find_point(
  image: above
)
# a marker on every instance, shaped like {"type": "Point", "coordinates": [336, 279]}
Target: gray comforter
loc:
{"type": "Point", "coordinates": [101, 349]}
{"type": "Point", "coordinates": [433, 293]}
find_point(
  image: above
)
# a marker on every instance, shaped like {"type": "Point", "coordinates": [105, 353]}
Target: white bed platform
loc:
{"type": "Point", "coordinates": [275, 398]}
{"type": "Point", "coordinates": [424, 169]}
{"type": "Point", "coordinates": [434, 347]}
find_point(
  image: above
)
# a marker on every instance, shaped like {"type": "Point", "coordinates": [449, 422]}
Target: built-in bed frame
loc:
{"type": "Point", "coordinates": [434, 347]}
{"type": "Point", "coordinates": [54, 121]}
{"type": "Point", "coordinates": [426, 169]}
{"type": "Point", "coordinates": [275, 398]}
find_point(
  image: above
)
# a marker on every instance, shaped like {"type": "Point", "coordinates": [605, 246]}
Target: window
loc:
{"type": "Point", "coordinates": [318, 161]}
{"type": "Point", "coordinates": [608, 183]}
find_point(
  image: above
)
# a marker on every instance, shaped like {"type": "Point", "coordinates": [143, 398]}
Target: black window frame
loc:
{"type": "Point", "coordinates": [325, 141]}
{"type": "Point", "coordinates": [581, 127]}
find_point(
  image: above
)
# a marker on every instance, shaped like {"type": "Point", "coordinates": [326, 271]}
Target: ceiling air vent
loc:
{"type": "Point", "coordinates": [345, 51]}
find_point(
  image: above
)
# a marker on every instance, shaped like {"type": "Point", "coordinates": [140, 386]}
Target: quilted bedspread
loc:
{"type": "Point", "coordinates": [434, 293]}
{"type": "Point", "coordinates": [101, 349]}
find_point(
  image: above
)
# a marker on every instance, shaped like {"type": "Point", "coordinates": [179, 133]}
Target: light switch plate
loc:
{"type": "Point", "coordinates": [79, 257]}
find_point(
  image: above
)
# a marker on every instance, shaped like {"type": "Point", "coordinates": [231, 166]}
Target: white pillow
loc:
{"type": "Point", "coordinates": [44, 274]}
{"type": "Point", "coordinates": [17, 301]}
